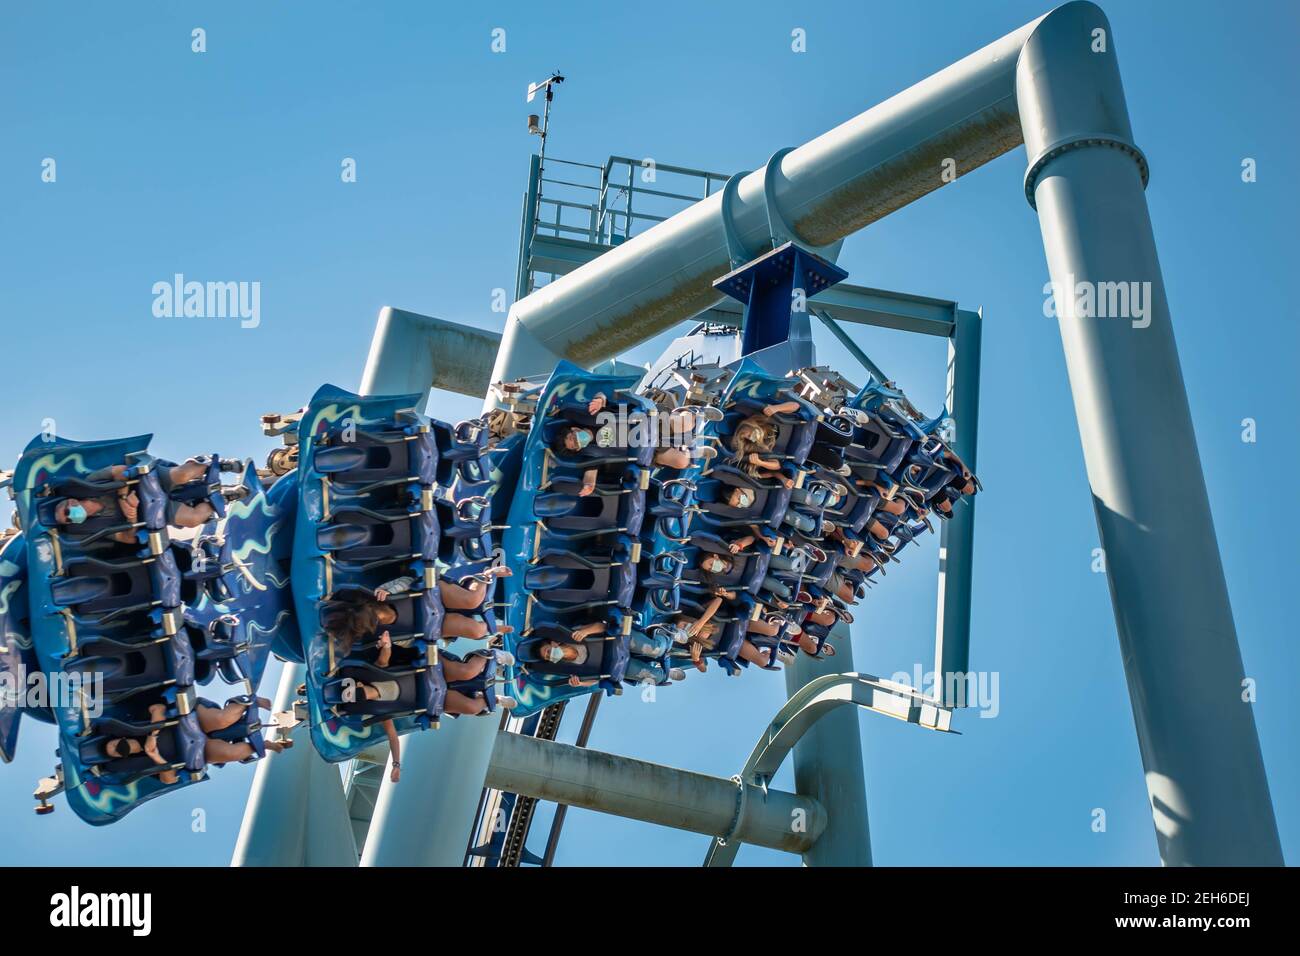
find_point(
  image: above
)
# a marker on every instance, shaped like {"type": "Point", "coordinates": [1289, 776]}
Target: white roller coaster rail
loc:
{"type": "Point", "coordinates": [816, 699]}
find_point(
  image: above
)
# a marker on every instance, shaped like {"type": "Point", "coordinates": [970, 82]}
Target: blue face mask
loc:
{"type": "Point", "coordinates": [556, 654]}
{"type": "Point", "coordinates": [76, 514]}
{"type": "Point", "coordinates": [582, 438]}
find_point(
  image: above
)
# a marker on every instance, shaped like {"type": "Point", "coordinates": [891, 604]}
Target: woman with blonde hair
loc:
{"type": "Point", "coordinates": [754, 438]}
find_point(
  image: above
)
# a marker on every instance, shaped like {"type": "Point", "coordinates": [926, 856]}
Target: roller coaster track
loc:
{"type": "Point", "coordinates": [504, 819]}
{"type": "Point", "coordinates": [812, 702]}
{"type": "Point", "coordinates": [521, 818]}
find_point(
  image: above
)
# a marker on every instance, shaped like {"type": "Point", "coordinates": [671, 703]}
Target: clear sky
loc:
{"type": "Point", "coordinates": [225, 166]}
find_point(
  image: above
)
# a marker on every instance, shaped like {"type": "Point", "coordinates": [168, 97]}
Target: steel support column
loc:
{"type": "Point", "coordinates": [296, 813]}
{"type": "Point", "coordinates": [957, 536]}
{"type": "Point", "coordinates": [1200, 750]}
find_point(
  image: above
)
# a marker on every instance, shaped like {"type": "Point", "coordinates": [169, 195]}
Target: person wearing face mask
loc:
{"type": "Point", "coordinates": [569, 648]}
{"type": "Point", "coordinates": [703, 632]}
{"type": "Point", "coordinates": [587, 437]}
{"type": "Point", "coordinates": [647, 665]}
{"type": "Point", "coordinates": [740, 498]}
{"type": "Point", "coordinates": [593, 438]}
{"type": "Point", "coordinates": [714, 565]}
{"type": "Point", "coordinates": [91, 515]}
{"type": "Point", "coordinates": [120, 504]}
{"type": "Point", "coordinates": [575, 654]}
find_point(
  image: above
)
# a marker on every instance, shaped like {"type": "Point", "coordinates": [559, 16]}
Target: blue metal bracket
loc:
{"type": "Point", "coordinates": [766, 288]}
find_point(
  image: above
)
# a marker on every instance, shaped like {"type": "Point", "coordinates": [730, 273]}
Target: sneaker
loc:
{"type": "Point", "coordinates": [706, 452]}
{"type": "Point", "coordinates": [233, 465]}
{"type": "Point", "coordinates": [505, 658]}
{"type": "Point", "coordinates": [506, 703]}
{"type": "Point", "coordinates": [785, 657]}
{"type": "Point", "coordinates": [676, 674]}
{"type": "Point", "coordinates": [710, 413]}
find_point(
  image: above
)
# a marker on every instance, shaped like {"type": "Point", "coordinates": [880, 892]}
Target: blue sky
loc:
{"type": "Point", "coordinates": [225, 166]}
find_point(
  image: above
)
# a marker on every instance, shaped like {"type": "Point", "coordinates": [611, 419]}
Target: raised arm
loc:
{"type": "Point", "coordinates": [710, 609]}
{"type": "Point", "coordinates": [395, 586]}
{"type": "Point", "coordinates": [784, 408]}
{"type": "Point", "coordinates": [110, 473]}
{"type": "Point", "coordinates": [395, 748]}
{"type": "Point", "coordinates": [587, 630]}
{"type": "Point", "coordinates": [740, 544]}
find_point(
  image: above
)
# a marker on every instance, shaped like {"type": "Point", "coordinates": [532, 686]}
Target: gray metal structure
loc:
{"type": "Point", "coordinates": [1054, 86]}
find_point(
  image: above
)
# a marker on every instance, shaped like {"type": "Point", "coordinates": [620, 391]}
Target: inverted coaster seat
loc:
{"type": "Point", "coordinates": [371, 512]}
{"type": "Point", "coordinates": [359, 539]}
{"type": "Point", "coordinates": [222, 645]}
{"type": "Point", "coordinates": [420, 692]}
{"type": "Point", "coordinates": [748, 567]}
{"type": "Point", "coordinates": [795, 431]}
{"type": "Point", "coordinates": [574, 533]}
{"type": "Point", "coordinates": [605, 663]}
{"type": "Point", "coordinates": [770, 499]}
{"type": "Point", "coordinates": [128, 668]}
{"type": "Point", "coordinates": [565, 578]}
{"type": "Point", "coordinates": [180, 743]}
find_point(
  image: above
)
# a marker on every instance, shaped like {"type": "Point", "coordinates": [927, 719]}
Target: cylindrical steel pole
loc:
{"type": "Point", "coordinates": [1204, 770]}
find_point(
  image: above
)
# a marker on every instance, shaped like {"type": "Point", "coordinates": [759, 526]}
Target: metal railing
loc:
{"type": "Point", "coordinates": [610, 203]}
